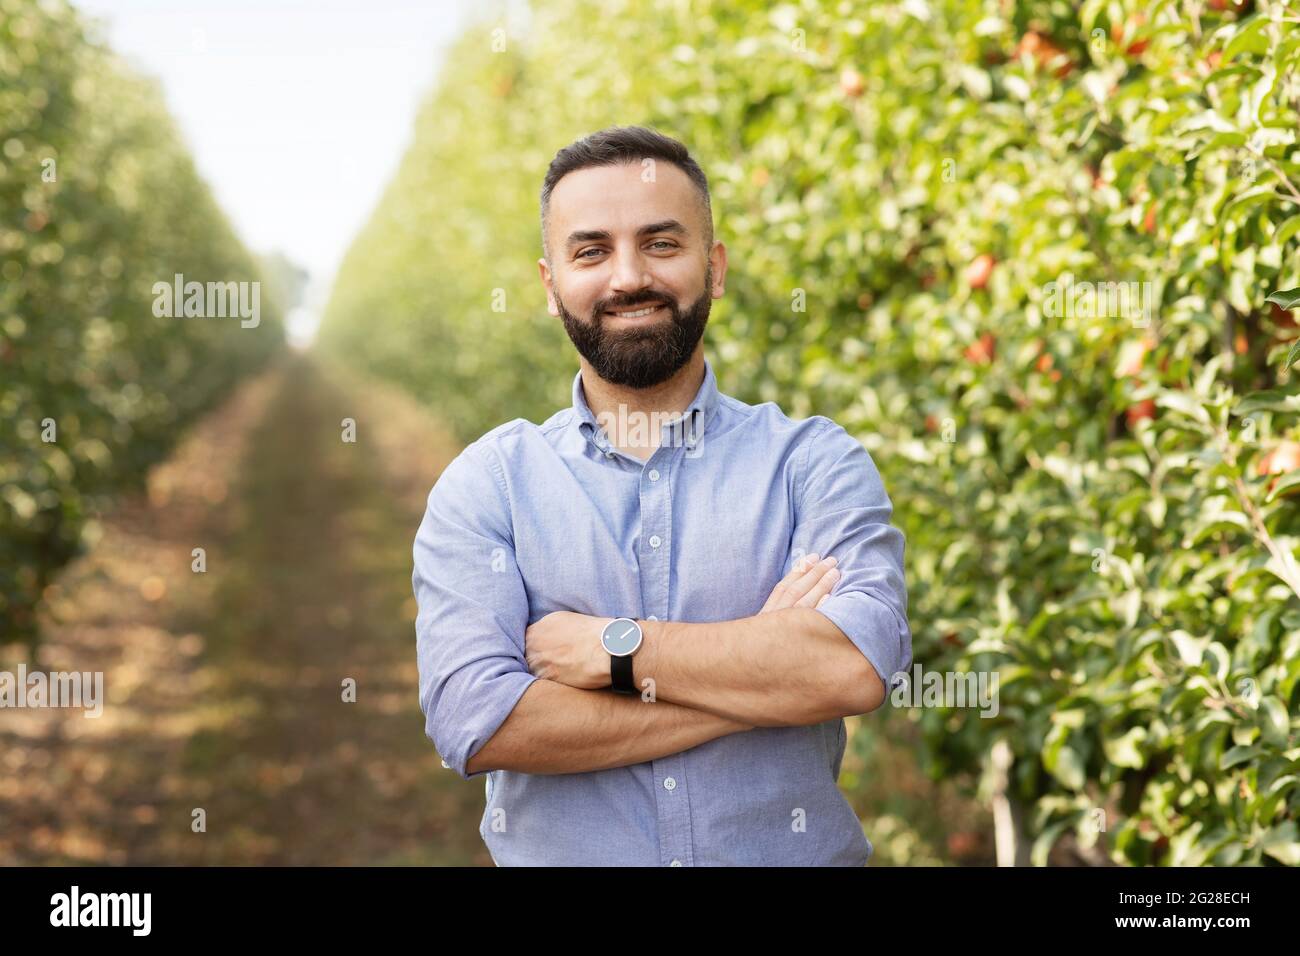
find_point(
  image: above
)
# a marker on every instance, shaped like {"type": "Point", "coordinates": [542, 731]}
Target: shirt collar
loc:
{"type": "Point", "coordinates": [694, 420]}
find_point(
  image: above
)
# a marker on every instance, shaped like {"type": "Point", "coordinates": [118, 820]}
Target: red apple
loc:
{"type": "Point", "coordinates": [1044, 52]}
{"type": "Point", "coordinates": [851, 82]}
{"type": "Point", "coordinates": [1281, 459]}
{"type": "Point", "coordinates": [1130, 28]}
{"type": "Point", "coordinates": [962, 844]}
{"type": "Point", "coordinates": [978, 272]}
{"type": "Point", "coordinates": [1149, 220]}
{"type": "Point", "coordinates": [1044, 365]}
{"type": "Point", "coordinates": [981, 352]}
{"type": "Point", "coordinates": [1284, 320]}
{"type": "Point", "coordinates": [1137, 412]}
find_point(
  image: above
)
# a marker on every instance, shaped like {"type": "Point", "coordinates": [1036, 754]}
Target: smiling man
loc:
{"type": "Point", "coordinates": [628, 629]}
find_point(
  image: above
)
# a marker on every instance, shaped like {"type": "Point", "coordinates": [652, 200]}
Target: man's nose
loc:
{"type": "Point", "coordinates": [630, 274]}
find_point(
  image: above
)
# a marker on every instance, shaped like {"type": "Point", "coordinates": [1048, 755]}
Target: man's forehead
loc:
{"type": "Point", "coordinates": [601, 197]}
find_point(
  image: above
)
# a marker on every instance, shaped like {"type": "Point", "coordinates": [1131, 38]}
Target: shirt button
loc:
{"type": "Point", "coordinates": [675, 863]}
{"type": "Point", "coordinates": [654, 541]}
{"type": "Point", "coordinates": [652, 617]}
{"type": "Point", "coordinates": [654, 474]}
{"type": "Point", "coordinates": [670, 783]}
{"type": "Point", "coordinates": [609, 454]}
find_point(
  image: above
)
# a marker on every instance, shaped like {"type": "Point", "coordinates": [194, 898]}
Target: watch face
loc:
{"type": "Point", "coordinates": [621, 636]}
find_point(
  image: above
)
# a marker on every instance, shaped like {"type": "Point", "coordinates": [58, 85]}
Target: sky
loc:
{"type": "Point", "coordinates": [297, 112]}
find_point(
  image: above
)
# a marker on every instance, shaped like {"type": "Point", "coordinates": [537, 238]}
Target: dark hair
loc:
{"type": "Point", "coordinates": [624, 144]}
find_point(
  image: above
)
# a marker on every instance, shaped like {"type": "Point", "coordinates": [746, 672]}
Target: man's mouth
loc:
{"type": "Point", "coordinates": [636, 313]}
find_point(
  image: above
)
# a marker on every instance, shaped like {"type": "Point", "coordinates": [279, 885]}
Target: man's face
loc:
{"type": "Point", "coordinates": [622, 245]}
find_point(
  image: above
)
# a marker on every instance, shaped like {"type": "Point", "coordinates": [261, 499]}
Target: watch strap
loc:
{"type": "Point", "coordinates": [620, 673]}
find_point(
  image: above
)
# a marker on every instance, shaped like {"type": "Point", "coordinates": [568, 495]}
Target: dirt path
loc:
{"type": "Point", "coordinates": [224, 688]}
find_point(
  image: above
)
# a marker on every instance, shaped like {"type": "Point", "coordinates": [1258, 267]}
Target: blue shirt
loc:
{"type": "Point", "coordinates": [531, 519]}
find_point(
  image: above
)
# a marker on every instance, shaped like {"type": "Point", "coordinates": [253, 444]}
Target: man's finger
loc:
{"type": "Point", "coordinates": [820, 590]}
{"type": "Point", "coordinates": [799, 570]}
{"type": "Point", "coordinates": [801, 566]}
{"type": "Point", "coordinates": [810, 578]}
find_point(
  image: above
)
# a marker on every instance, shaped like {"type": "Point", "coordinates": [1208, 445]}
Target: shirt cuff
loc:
{"type": "Point", "coordinates": [875, 629]}
{"type": "Point", "coordinates": [490, 711]}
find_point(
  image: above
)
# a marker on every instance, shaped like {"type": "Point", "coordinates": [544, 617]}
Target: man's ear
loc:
{"type": "Point", "coordinates": [544, 270]}
{"type": "Point", "coordinates": [718, 259]}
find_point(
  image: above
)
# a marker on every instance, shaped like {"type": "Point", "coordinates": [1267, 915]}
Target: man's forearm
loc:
{"type": "Point", "coordinates": [783, 668]}
{"type": "Point", "coordinates": [555, 728]}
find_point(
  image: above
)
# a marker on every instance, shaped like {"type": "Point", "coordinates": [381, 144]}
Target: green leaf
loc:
{"type": "Point", "coordinates": [1067, 767]}
{"type": "Point", "coordinates": [1284, 232]}
{"type": "Point", "coordinates": [1126, 751]}
{"type": "Point", "coordinates": [1250, 37]}
{"type": "Point", "coordinates": [1184, 404]}
{"type": "Point", "coordinates": [1292, 355]}
{"type": "Point", "coordinates": [1190, 649]}
{"type": "Point", "coordinates": [1261, 89]}
{"type": "Point", "coordinates": [1273, 721]}
{"type": "Point", "coordinates": [1282, 843]}
{"type": "Point", "coordinates": [1289, 298]}
{"type": "Point", "coordinates": [1238, 755]}
{"type": "Point", "coordinates": [1044, 842]}
{"type": "Point", "coordinates": [1255, 196]}
{"type": "Point", "coordinates": [1285, 483]}
{"type": "Point", "coordinates": [1269, 400]}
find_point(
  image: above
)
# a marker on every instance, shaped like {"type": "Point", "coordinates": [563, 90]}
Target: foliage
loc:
{"type": "Point", "coordinates": [100, 200]}
{"type": "Point", "coordinates": [1096, 502]}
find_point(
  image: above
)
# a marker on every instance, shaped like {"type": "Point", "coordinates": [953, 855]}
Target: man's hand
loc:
{"type": "Point", "coordinates": [807, 585]}
{"type": "Point", "coordinates": [565, 646]}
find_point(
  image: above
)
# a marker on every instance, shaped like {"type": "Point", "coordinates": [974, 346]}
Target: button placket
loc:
{"type": "Point", "coordinates": [673, 813]}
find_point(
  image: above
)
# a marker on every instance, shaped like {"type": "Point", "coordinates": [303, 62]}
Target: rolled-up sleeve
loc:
{"type": "Point", "coordinates": [844, 512]}
{"type": "Point", "coordinates": [472, 609]}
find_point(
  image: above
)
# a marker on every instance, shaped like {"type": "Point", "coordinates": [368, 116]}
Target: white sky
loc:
{"type": "Point", "coordinates": [297, 111]}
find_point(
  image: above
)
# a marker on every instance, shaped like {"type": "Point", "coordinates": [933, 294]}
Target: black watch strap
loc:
{"type": "Point", "coordinates": [620, 674]}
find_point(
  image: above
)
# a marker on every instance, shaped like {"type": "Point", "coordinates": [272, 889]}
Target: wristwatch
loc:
{"type": "Point", "coordinates": [621, 638]}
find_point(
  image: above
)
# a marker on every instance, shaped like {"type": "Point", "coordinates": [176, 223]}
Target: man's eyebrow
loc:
{"type": "Point", "coordinates": [596, 235]}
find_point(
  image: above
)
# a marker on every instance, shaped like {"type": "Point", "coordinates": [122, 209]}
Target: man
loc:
{"type": "Point", "coordinates": [624, 627]}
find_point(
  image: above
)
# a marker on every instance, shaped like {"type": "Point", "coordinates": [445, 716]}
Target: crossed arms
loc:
{"type": "Point", "coordinates": [500, 694]}
{"type": "Point", "coordinates": [787, 665]}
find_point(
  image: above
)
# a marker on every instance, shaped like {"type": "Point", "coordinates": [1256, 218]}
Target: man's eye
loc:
{"type": "Point", "coordinates": [662, 242]}
{"type": "Point", "coordinates": [583, 253]}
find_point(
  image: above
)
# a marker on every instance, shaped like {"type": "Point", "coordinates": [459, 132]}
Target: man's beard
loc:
{"type": "Point", "coordinates": [641, 356]}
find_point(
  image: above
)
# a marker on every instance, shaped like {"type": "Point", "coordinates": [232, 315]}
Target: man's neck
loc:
{"type": "Point", "coordinates": [636, 428]}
